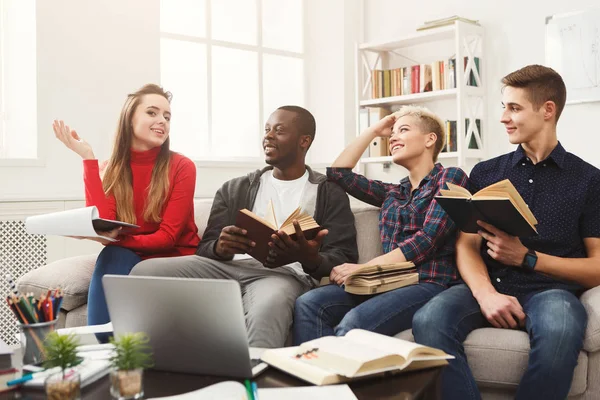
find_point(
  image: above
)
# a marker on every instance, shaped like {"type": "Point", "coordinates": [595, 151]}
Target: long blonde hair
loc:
{"type": "Point", "coordinates": [117, 178]}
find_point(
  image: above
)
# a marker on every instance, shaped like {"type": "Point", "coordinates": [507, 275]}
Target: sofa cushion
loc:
{"type": "Point", "coordinates": [591, 302]}
{"type": "Point", "coordinates": [366, 221]}
{"type": "Point", "coordinates": [498, 358]}
{"type": "Point", "coordinates": [71, 274]}
{"type": "Point", "coordinates": [201, 213]}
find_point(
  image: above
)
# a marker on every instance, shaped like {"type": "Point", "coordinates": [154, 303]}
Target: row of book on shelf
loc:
{"type": "Point", "coordinates": [380, 146]}
{"type": "Point", "coordinates": [439, 75]}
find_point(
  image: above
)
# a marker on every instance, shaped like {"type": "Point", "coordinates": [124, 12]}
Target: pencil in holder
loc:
{"type": "Point", "coordinates": [32, 340]}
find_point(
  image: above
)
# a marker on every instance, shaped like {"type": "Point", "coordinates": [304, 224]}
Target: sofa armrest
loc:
{"type": "Point", "coordinates": [71, 274]}
{"type": "Point", "coordinates": [591, 302]}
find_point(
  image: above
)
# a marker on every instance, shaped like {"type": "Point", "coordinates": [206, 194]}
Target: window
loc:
{"type": "Point", "coordinates": [229, 64]}
{"type": "Point", "coordinates": [18, 95]}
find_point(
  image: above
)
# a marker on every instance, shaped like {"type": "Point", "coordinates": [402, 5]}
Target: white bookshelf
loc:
{"type": "Point", "coordinates": [462, 103]}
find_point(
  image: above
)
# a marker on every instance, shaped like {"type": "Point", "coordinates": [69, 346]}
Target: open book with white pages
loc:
{"type": "Point", "coordinates": [79, 222]}
{"type": "Point", "coordinates": [329, 360]}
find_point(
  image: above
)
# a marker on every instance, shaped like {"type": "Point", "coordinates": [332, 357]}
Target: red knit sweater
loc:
{"type": "Point", "coordinates": [176, 234]}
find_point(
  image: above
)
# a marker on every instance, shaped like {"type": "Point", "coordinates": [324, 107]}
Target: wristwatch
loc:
{"type": "Point", "coordinates": [529, 260]}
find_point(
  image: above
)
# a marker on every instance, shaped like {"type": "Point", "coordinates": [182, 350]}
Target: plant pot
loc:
{"type": "Point", "coordinates": [125, 385]}
{"type": "Point", "coordinates": [63, 386]}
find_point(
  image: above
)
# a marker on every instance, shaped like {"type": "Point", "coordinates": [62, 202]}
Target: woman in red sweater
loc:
{"type": "Point", "coordinates": [143, 183]}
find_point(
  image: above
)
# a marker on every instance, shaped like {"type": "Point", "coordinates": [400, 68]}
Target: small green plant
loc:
{"type": "Point", "coordinates": [132, 351]}
{"type": "Point", "coordinates": [61, 351]}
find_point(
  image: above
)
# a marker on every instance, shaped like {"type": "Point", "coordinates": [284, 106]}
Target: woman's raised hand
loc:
{"type": "Point", "coordinates": [71, 139]}
{"type": "Point", "coordinates": [384, 126]}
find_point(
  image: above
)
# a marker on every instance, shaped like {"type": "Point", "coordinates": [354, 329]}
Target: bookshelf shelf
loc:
{"type": "Point", "coordinates": [452, 64]}
{"type": "Point", "coordinates": [410, 98]}
{"type": "Point", "coordinates": [432, 35]}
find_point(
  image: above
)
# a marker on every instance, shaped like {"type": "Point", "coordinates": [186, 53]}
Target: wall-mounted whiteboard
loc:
{"type": "Point", "coordinates": [573, 50]}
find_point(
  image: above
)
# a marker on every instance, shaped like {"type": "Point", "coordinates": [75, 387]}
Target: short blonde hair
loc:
{"type": "Point", "coordinates": [428, 122]}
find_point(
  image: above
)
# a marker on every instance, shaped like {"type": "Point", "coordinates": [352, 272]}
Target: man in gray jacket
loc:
{"type": "Point", "coordinates": [269, 293]}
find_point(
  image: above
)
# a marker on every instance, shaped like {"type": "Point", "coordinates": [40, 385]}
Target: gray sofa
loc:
{"type": "Point", "coordinates": [497, 357]}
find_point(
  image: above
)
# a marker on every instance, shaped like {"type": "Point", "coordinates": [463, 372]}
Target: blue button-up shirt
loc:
{"type": "Point", "coordinates": [563, 192]}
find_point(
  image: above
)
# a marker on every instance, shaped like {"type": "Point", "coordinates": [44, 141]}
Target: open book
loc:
{"type": "Point", "coordinates": [329, 360]}
{"type": "Point", "coordinates": [371, 279]}
{"type": "Point", "coordinates": [499, 204]}
{"type": "Point", "coordinates": [260, 230]}
{"type": "Point", "coordinates": [81, 222]}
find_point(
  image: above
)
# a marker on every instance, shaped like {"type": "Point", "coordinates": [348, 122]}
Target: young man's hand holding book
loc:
{"type": "Point", "coordinates": [302, 250]}
{"type": "Point", "coordinates": [502, 247]}
{"type": "Point", "coordinates": [233, 240]}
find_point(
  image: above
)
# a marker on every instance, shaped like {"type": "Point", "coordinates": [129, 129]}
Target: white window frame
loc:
{"type": "Point", "coordinates": [236, 162]}
{"type": "Point", "coordinates": [39, 161]}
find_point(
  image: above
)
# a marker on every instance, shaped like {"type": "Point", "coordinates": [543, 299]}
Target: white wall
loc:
{"type": "Point", "coordinates": [514, 38]}
{"type": "Point", "coordinates": [91, 54]}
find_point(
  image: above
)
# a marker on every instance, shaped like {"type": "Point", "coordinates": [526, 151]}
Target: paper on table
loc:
{"type": "Point", "coordinates": [231, 390]}
{"type": "Point", "coordinates": [83, 330]}
{"type": "Point", "coordinates": [228, 390]}
{"type": "Point", "coordinates": [337, 392]}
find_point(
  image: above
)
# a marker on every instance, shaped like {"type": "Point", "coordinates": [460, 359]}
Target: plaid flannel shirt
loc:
{"type": "Point", "coordinates": [412, 220]}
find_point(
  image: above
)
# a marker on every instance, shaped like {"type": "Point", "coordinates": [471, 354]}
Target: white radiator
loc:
{"type": "Point", "coordinates": [19, 253]}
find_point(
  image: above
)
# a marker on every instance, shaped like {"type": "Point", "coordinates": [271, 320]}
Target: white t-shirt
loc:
{"type": "Point", "coordinates": [286, 197]}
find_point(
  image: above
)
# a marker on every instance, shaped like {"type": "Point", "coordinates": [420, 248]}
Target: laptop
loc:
{"type": "Point", "coordinates": [195, 325]}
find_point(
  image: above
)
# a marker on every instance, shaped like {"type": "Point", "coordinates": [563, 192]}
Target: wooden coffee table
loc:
{"type": "Point", "coordinates": [423, 385]}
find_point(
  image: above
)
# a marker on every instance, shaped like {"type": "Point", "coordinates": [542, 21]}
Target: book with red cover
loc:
{"type": "Point", "coordinates": [260, 230]}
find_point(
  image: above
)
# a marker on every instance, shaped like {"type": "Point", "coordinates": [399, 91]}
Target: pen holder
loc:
{"type": "Point", "coordinates": [32, 340]}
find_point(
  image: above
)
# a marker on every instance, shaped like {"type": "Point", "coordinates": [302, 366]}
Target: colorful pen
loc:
{"type": "Point", "coordinates": [255, 390]}
{"type": "Point", "coordinates": [25, 378]}
{"type": "Point", "coordinates": [248, 389]}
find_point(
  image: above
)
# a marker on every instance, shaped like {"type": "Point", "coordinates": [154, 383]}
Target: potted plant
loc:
{"type": "Point", "coordinates": [131, 355]}
{"type": "Point", "coordinates": [61, 351]}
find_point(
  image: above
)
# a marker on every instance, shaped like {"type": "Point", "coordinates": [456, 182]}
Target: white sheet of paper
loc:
{"type": "Point", "coordinates": [76, 222]}
{"type": "Point", "coordinates": [228, 390]}
{"type": "Point", "coordinates": [88, 329]}
{"type": "Point", "coordinates": [337, 392]}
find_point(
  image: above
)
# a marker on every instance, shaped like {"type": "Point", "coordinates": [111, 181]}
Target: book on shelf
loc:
{"type": "Point", "coordinates": [260, 230]}
{"type": "Point", "coordinates": [379, 147]}
{"type": "Point", "coordinates": [406, 81]}
{"type": "Point", "coordinates": [472, 81]}
{"type": "Point", "coordinates": [450, 143]}
{"type": "Point", "coordinates": [499, 204]}
{"type": "Point", "coordinates": [331, 359]}
{"type": "Point", "coordinates": [476, 129]}
{"type": "Point", "coordinates": [372, 279]}
{"type": "Point", "coordinates": [445, 22]}
{"type": "Point", "coordinates": [80, 222]}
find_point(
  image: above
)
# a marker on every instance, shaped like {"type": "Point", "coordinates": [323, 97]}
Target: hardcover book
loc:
{"type": "Point", "coordinates": [499, 204]}
{"type": "Point", "coordinates": [260, 230]}
{"type": "Point", "coordinates": [371, 279]}
{"type": "Point", "coordinates": [358, 354]}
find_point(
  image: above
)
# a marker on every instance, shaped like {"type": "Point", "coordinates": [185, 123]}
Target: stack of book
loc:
{"type": "Point", "coordinates": [371, 279]}
{"type": "Point", "coordinates": [7, 372]}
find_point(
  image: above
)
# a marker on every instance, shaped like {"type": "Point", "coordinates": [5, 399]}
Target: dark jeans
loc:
{"type": "Point", "coordinates": [556, 322]}
{"type": "Point", "coordinates": [329, 310]}
{"type": "Point", "coordinates": [111, 260]}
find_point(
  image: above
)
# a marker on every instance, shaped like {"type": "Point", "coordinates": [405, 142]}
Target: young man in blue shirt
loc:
{"type": "Point", "coordinates": [527, 283]}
